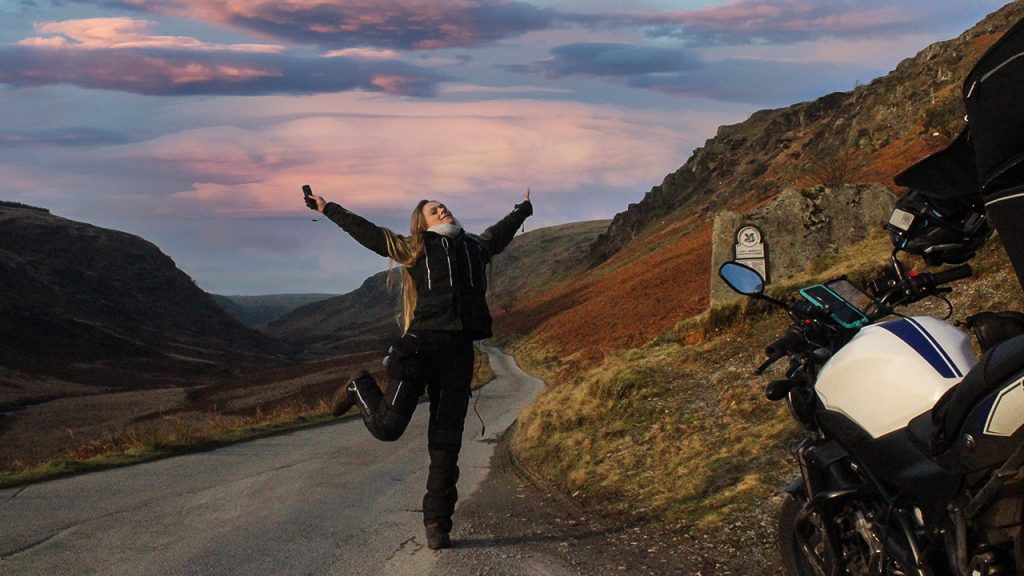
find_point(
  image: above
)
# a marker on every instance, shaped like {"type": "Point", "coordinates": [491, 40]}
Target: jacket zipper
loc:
{"type": "Point", "coordinates": [429, 283]}
{"type": "Point", "coordinates": [444, 242]}
{"type": "Point", "coordinates": [469, 262]}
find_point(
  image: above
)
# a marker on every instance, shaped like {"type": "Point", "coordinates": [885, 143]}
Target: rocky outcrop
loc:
{"type": "Point", "coordinates": [865, 135]}
{"type": "Point", "coordinates": [801, 226]}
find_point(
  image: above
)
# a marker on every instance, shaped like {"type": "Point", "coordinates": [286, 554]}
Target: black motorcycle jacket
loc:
{"type": "Point", "coordinates": [450, 277]}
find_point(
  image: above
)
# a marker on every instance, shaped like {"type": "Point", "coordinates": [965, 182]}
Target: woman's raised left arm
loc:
{"type": "Point", "coordinates": [498, 236]}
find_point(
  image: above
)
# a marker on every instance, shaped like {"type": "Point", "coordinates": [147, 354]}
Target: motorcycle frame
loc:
{"type": "Point", "coordinates": [833, 478]}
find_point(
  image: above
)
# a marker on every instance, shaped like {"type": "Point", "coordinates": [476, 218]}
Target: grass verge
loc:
{"type": "Point", "coordinates": [678, 433]}
{"type": "Point", "coordinates": [186, 433]}
{"type": "Point", "coordinates": [173, 436]}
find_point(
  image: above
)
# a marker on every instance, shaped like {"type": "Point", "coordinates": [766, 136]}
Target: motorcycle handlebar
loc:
{"type": "Point", "coordinates": [787, 342]}
{"type": "Point", "coordinates": [925, 284]}
{"type": "Point", "coordinates": [919, 286]}
{"type": "Point", "coordinates": [952, 274]}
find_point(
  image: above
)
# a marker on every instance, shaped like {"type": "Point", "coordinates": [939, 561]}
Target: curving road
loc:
{"type": "Point", "coordinates": [329, 500]}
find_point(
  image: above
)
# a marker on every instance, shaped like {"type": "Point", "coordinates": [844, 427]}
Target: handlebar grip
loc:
{"type": "Point", "coordinates": [951, 274]}
{"type": "Point", "coordinates": [783, 345]}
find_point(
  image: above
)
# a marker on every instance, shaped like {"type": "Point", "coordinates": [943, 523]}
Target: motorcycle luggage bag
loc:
{"type": "Point", "coordinates": [948, 173]}
{"type": "Point", "coordinates": [993, 92]}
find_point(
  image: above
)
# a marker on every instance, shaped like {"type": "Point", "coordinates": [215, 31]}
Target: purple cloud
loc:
{"type": "Point", "coordinates": [71, 137]}
{"type": "Point", "coordinates": [791, 21]}
{"type": "Point", "coordinates": [184, 72]}
{"type": "Point", "coordinates": [761, 82]}
{"type": "Point", "coordinates": [406, 24]}
{"type": "Point", "coordinates": [678, 72]}
{"type": "Point", "coordinates": [613, 60]}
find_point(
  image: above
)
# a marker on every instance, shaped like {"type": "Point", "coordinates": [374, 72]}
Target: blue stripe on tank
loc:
{"type": "Point", "coordinates": [918, 338]}
{"type": "Point", "coordinates": [941, 350]}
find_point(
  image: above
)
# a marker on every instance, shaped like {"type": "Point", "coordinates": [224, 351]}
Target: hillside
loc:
{"type": "Point", "coordinates": [104, 342]}
{"type": "Point", "coordinates": [97, 306]}
{"type": "Point", "coordinates": [366, 318]}
{"type": "Point", "coordinates": [667, 423]}
{"type": "Point", "coordinates": [362, 320]}
{"type": "Point", "coordinates": [865, 135]}
{"type": "Point", "coordinates": [652, 267]}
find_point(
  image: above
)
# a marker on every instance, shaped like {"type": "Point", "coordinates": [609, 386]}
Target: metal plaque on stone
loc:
{"type": "Point", "coordinates": [751, 249]}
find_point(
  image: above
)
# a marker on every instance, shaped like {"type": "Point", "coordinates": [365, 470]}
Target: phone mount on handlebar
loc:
{"type": "Point", "coordinates": [841, 311]}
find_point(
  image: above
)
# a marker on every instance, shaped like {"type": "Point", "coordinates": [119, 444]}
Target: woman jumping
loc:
{"type": "Point", "coordinates": [444, 311]}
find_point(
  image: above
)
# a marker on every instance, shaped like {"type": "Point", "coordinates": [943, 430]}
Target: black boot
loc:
{"type": "Point", "coordinates": [437, 536]}
{"type": "Point", "coordinates": [360, 391]}
{"type": "Point", "coordinates": [343, 400]}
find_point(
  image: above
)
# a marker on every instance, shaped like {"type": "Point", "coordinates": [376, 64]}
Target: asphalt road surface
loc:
{"type": "Point", "coordinates": [329, 500]}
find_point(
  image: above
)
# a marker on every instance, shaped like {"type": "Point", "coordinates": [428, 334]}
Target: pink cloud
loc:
{"type": "Point", "coordinates": [362, 53]}
{"type": "Point", "coordinates": [477, 156]}
{"type": "Point", "coordinates": [123, 54]}
{"type": "Point", "coordinates": [125, 33]}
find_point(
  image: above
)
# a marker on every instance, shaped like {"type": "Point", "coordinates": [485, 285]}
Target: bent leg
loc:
{"type": "Point", "coordinates": [386, 414]}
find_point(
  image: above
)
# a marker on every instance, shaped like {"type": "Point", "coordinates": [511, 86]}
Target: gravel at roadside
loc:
{"type": "Point", "coordinates": [513, 526]}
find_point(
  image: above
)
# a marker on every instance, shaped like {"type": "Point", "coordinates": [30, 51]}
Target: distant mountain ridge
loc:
{"type": "Point", "coordinates": [258, 311]}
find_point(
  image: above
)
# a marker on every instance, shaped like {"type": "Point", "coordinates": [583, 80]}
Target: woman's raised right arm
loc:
{"type": "Point", "coordinates": [362, 230]}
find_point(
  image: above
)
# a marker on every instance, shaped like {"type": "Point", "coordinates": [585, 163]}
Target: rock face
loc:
{"type": "Point", "coordinates": [87, 303]}
{"type": "Point", "coordinates": [800, 226]}
{"type": "Point", "coordinates": [865, 135]}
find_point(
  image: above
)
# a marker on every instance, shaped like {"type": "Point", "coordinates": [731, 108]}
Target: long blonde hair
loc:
{"type": "Point", "coordinates": [407, 251]}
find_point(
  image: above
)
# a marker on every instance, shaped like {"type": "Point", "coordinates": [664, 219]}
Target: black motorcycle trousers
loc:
{"type": "Point", "coordinates": [440, 363]}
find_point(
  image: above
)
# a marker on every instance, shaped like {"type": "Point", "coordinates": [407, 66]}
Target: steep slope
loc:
{"type": "Point", "coordinates": [95, 305]}
{"type": "Point", "coordinates": [666, 422]}
{"type": "Point", "coordinates": [865, 135]}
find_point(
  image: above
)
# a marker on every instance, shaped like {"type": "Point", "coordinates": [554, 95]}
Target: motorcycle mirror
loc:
{"type": "Point", "coordinates": [742, 279]}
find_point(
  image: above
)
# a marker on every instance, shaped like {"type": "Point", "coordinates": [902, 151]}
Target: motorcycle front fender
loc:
{"type": "Point", "coordinates": [796, 486]}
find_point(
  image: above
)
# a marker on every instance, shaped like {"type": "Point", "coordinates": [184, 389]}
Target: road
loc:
{"type": "Point", "coordinates": [329, 500]}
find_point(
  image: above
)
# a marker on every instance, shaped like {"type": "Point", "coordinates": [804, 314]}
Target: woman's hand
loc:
{"type": "Point", "coordinates": [526, 198]}
{"type": "Point", "coordinates": [318, 200]}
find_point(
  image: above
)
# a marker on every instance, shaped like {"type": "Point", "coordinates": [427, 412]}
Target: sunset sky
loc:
{"type": "Point", "coordinates": [194, 123]}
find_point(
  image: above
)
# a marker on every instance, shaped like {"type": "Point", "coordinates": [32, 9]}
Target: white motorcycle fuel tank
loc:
{"type": "Point", "coordinates": [893, 371]}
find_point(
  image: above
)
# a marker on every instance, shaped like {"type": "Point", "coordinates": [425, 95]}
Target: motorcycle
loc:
{"type": "Point", "coordinates": [912, 463]}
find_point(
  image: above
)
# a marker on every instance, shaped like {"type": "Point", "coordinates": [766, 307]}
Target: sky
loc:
{"type": "Point", "coordinates": [194, 124]}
